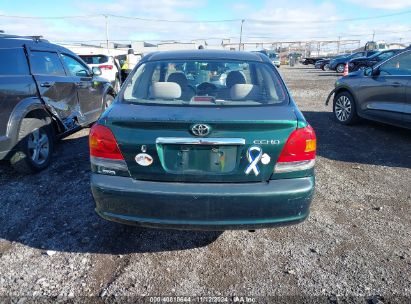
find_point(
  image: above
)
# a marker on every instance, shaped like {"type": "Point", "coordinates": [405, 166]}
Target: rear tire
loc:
{"type": "Point", "coordinates": [340, 68]}
{"type": "Point", "coordinates": [326, 67]}
{"type": "Point", "coordinates": [344, 109]}
{"type": "Point", "coordinates": [35, 146]}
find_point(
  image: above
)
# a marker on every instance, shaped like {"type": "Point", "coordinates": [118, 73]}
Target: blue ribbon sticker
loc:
{"type": "Point", "coordinates": [253, 160]}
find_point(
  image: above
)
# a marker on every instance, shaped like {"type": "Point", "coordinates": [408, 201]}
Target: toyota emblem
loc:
{"type": "Point", "coordinates": [200, 130]}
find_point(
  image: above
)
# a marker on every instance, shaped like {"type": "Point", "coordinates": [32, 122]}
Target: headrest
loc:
{"type": "Point", "coordinates": [165, 90]}
{"type": "Point", "coordinates": [179, 78]}
{"type": "Point", "coordinates": [244, 92]}
{"type": "Point", "coordinates": [234, 77]}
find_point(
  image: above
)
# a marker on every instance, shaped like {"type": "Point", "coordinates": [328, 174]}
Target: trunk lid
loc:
{"type": "Point", "coordinates": [164, 133]}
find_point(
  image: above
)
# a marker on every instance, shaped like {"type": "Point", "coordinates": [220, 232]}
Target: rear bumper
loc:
{"type": "Point", "coordinates": [202, 206]}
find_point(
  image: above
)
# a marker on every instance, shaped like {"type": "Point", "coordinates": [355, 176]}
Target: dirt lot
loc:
{"type": "Point", "coordinates": [356, 242]}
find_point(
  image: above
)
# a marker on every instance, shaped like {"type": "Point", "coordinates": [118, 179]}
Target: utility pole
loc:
{"type": "Point", "coordinates": [338, 45]}
{"type": "Point", "coordinates": [241, 34]}
{"type": "Point", "coordinates": [373, 35]}
{"type": "Point", "coordinates": [107, 38]}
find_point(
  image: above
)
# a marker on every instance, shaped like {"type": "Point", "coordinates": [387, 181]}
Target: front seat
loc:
{"type": "Point", "coordinates": [233, 78]}
{"type": "Point", "coordinates": [186, 91]}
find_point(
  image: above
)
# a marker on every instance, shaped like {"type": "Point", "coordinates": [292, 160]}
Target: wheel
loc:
{"type": "Point", "coordinates": [361, 68]}
{"type": "Point", "coordinates": [117, 85]}
{"type": "Point", "coordinates": [33, 152]}
{"type": "Point", "coordinates": [344, 109]}
{"type": "Point", "coordinates": [326, 67]}
{"type": "Point", "coordinates": [108, 100]}
{"type": "Point", "coordinates": [340, 68]}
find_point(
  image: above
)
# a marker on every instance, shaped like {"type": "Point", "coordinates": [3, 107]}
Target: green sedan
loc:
{"type": "Point", "coordinates": [207, 140]}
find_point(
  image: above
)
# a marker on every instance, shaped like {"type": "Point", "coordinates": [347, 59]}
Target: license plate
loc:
{"type": "Point", "coordinates": [199, 159]}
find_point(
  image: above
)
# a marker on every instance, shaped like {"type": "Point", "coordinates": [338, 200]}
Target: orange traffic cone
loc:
{"type": "Point", "coordinates": [346, 69]}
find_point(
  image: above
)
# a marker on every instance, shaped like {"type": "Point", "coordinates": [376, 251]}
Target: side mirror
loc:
{"type": "Point", "coordinates": [371, 72]}
{"type": "Point", "coordinates": [368, 71]}
{"type": "Point", "coordinates": [96, 71]}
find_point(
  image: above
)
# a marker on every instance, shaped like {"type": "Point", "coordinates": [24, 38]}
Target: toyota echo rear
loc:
{"type": "Point", "coordinates": [203, 140]}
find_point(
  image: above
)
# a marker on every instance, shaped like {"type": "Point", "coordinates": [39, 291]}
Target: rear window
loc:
{"type": "Point", "coordinates": [46, 63]}
{"type": "Point", "coordinates": [13, 62]}
{"type": "Point", "coordinates": [273, 56]}
{"type": "Point", "coordinates": [94, 59]}
{"type": "Point", "coordinates": [191, 82]}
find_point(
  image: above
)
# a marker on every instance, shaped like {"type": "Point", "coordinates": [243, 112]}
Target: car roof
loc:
{"type": "Point", "coordinates": [205, 55]}
{"type": "Point", "coordinates": [32, 42]}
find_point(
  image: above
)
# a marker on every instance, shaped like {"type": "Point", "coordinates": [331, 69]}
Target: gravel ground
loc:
{"type": "Point", "coordinates": [355, 246]}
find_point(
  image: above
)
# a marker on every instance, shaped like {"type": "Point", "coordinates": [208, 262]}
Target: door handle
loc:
{"type": "Point", "coordinates": [45, 84]}
{"type": "Point", "coordinates": [397, 84]}
{"type": "Point", "coordinates": [81, 84]}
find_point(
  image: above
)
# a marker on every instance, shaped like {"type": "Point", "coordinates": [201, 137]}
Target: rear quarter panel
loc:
{"type": "Point", "coordinates": [13, 90]}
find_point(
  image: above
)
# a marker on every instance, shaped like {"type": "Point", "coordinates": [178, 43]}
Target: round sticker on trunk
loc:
{"type": "Point", "coordinates": [265, 159]}
{"type": "Point", "coordinates": [144, 159]}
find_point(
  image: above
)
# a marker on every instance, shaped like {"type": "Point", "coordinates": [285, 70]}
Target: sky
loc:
{"type": "Point", "coordinates": [280, 20]}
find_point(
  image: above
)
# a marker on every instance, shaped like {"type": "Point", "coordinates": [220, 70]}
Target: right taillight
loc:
{"type": "Point", "coordinates": [105, 155]}
{"type": "Point", "coordinates": [298, 152]}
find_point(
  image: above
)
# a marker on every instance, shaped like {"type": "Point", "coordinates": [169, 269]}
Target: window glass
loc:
{"type": "Point", "coordinates": [208, 83]}
{"type": "Point", "coordinates": [94, 59]}
{"type": "Point", "coordinates": [398, 65]}
{"type": "Point", "coordinates": [13, 62]}
{"type": "Point", "coordinates": [46, 63]}
{"type": "Point", "coordinates": [75, 67]}
{"type": "Point", "coordinates": [384, 56]}
{"type": "Point", "coordinates": [357, 55]}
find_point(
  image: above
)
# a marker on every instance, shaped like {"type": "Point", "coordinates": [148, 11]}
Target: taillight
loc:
{"type": "Point", "coordinates": [105, 156]}
{"type": "Point", "coordinates": [298, 152]}
{"type": "Point", "coordinates": [103, 143]}
{"type": "Point", "coordinates": [106, 67]}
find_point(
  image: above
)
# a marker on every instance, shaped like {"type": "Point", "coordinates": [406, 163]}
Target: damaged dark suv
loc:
{"type": "Point", "coordinates": [46, 92]}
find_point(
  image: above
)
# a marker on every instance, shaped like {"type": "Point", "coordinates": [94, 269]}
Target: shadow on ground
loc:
{"type": "Point", "coordinates": [366, 142]}
{"type": "Point", "coordinates": [54, 210]}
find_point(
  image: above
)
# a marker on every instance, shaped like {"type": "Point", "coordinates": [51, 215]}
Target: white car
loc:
{"type": "Point", "coordinates": [108, 65]}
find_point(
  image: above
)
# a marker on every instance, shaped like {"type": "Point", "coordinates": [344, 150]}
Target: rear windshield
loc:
{"type": "Point", "coordinates": [209, 83]}
{"type": "Point", "coordinates": [13, 62]}
{"type": "Point", "coordinates": [273, 56]}
{"type": "Point", "coordinates": [94, 59]}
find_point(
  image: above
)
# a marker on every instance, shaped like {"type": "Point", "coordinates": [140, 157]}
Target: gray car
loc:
{"type": "Point", "coordinates": [46, 92]}
{"type": "Point", "coordinates": [381, 93]}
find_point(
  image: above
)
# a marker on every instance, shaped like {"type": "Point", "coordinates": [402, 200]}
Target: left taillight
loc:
{"type": "Point", "coordinates": [105, 155]}
{"type": "Point", "coordinates": [299, 151]}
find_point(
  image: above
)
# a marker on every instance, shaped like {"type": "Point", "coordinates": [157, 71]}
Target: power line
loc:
{"type": "Point", "coordinates": [328, 21]}
{"type": "Point", "coordinates": [174, 21]}
{"type": "Point", "coordinates": [262, 21]}
{"type": "Point", "coordinates": [338, 35]}
{"type": "Point", "coordinates": [50, 17]}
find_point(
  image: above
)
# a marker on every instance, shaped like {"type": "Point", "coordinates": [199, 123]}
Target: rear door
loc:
{"type": "Point", "coordinates": [384, 96]}
{"type": "Point", "coordinates": [57, 89]}
{"type": "Point", "coordinates": [407, 108]}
